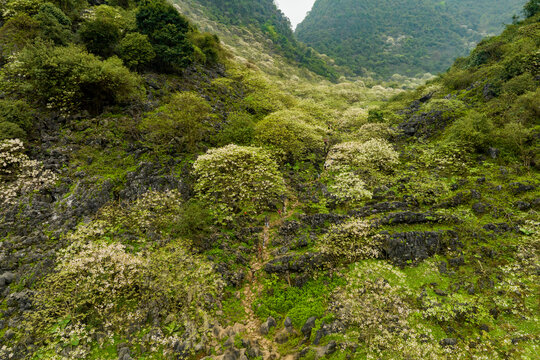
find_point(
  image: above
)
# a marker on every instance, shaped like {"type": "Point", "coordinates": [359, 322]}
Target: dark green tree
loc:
{"type": "Point", "coordinates": [136, 50]}
{"type": "Point", "coordinates": [532, 8]}
{"type": "Point", "coordinates": [54, 24]}
{"type": "Point", "coordinates": [167, 31]}
{"type": "Point", "coordinates": [100, 36]}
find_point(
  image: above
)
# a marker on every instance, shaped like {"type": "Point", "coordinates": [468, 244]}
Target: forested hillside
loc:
{"type": "Point", "coordinates": [404, 36]}
{"type": "Point", "coordinates": [164, 197]}
{"type": "Point", "coordinates": [485, 16]}
{"type": "Point", "coordinates": [266, 16]}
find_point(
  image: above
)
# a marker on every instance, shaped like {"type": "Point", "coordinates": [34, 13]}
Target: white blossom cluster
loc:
{"type": "Point", "coordinates": [237, 178]}
{"type": "Point", "coordinates": [372, 155]}
{"type": "Point", "coordinates": [350, 241]}
{"type": "Point", "coordinates": [19, 175]}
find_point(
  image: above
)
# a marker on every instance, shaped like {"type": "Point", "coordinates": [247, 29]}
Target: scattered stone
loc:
{"type": "Point", "coordinates": [440, 292]}
{"type": "Point", "coordinates": [523, 205]}
{"type": "Point", "coordinates": [282, 336]}
{"type": "Point", "coordinates": [408, 247]}
{"type": "Point", "coordinates": [9, 334]}
{"type": "Point", "coordinates": [443, 267]}
{"type": "Point", "coordinates": [498, 228]}
{"type": "Point", "coordinates": [494, 152]}
{"type": "Point", "coordinates": [457, 261]}
{"type": "Point", "coordinates": [481, 208]}
{"type": "Point", "coordinates": [295, 263]}
{"type": "Point", "coordinates": [288, 322]}
{"type": "Point", "coordinates": [448, 342]}
{"type": "Point", "coordinates": [267, 325]}
{"type": "Point", "coordinates": [408, 217]}
{"type": "Point", "coordinates": [475, 194]}
{"type": "Point", "coordinates": [328, 329]}
{"type": "Point", "coordinates": [519, 188]}
{"type": "Point", "coordinates": [308, 326]}
{"type": "Point", "coordinates": [6, 279]}
{"type": "Point", "coordinates": [330, 348]}
{"type": "Point", "coordinates": [231, 354]}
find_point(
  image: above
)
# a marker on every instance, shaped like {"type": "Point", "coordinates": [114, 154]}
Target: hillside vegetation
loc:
{"type": "Point", "coordinates": [164, 197]}
{"type": "Point", "coordinates": [405, 37]}
{"type": "Point", "coordinates": [264, 15]}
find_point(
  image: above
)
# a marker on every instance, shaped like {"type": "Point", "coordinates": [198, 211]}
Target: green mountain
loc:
{"type": "Point", "coordinates": [264, 15]}
{"type": "Point", "coordinates": [163, 197]}
{"type": "Point", "coordinates": [404, 37]}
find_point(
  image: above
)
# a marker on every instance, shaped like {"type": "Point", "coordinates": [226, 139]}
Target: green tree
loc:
{"type": "Point", "coordinates": [289, 133]}
{"type": "Point", "coordinates": [532, 8]}
{"type": "Point", "coordinates": [17, 112]}
{"type": "Point", "coordinates": [9, 130]}
{"type": "Point", "coordinates": [100, 36]}
{"type": "Point", "coordinates": [136, 50]}
{"type": "Point", "coordinates": [184, 123]}
{"type": "Point", "coordinates": [235, 179]}
{"type": "Point", "coordinates": [54, 24]}
{"type": "Point", "coordinates": [68, 78]}
{"type": "Point", "coordinates": [16, 33]}
{"type": "Point", "coordinates": [167, 31]}
{"type": "Point", "coordinates": [209, 45]}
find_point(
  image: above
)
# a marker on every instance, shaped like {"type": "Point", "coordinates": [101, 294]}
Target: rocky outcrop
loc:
{"type": "Point", "coordinates": [295, 263]}
{"type": "Point", "coordinates": [410, 247]}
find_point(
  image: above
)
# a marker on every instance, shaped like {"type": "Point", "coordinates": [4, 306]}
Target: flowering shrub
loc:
{"type": "Point", "coordinates": [352, 119]}
{"type": "Point", "coordinates": [18, 174]}
{"type": "Point", "coordinates": [350, 241]}
{"type": "Point", "coordinates": [348, 186]}
{"type": "Point", "coordinates": [103, 288]}
{"type": "Point", "coordinates": [235, 178]}
{"type": "Point", "coordinates": [374, 131]}
{"type": "Point", "coordinates": [289, 133]}
{"type": "Point", "coordinates": [372, 155]}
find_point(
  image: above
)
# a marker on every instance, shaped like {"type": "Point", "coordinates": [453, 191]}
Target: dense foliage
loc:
{"type": "Point", "coordinates": [267, 17]}
{"type": "Point", "coordinates": [405, 37]}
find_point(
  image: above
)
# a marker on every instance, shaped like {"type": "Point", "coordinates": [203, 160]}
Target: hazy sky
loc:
{"type": "Point", "coordinates": [295, 10]}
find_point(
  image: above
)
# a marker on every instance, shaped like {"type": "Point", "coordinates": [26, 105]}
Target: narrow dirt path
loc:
{"type": "Point", "coordinates": [254, 287]}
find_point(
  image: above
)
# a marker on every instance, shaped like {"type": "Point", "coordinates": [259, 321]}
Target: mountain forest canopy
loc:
{"type": "Point", "coordinates": [173, 193]}
{"type": "Point", "coordinates": [405, 36]}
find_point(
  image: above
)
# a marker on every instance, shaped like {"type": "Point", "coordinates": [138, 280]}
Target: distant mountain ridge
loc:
{"type": "Point", "coordinates": [401, 36]}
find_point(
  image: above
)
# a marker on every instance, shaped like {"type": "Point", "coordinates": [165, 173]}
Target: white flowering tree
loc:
{"type": "Point", "coordinates": [19, 175]}
{"type": "Point", "coordinates": [372, 155]}
{"type": "Point", "coordinates": [351, 166]}
{"type": "Point", "coordinates": [235, 179]}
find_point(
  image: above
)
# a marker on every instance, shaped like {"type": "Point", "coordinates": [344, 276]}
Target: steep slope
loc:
{"type": "Point", "coordinates": [265, 16]}
{"type": "Point", "coordinates": [405, 37]}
